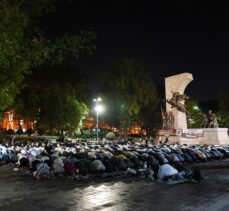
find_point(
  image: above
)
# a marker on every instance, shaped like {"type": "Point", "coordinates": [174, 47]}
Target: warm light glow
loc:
{"type": "Point", "coordinates": [99, 108]}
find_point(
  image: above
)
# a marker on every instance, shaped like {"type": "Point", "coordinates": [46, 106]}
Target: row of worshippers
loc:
{"type": "Point", "coordinates": [87, 159]}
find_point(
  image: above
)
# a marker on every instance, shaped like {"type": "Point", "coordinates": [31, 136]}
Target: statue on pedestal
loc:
{"type": "Point", "coordinates": [209, 120]}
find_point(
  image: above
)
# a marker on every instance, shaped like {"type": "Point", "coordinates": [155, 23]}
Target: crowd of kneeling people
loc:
{"type": "Point", "coordinates": [78, 159]}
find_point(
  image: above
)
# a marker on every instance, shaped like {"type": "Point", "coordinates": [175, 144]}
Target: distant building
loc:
{"type": "Point", "coordinates": [14, 121]}
{"type": "Point", "coordinates": [90, 122]}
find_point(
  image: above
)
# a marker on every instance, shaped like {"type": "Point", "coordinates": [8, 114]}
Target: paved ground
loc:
{"type": "Point", "coordinates": [20, 191]}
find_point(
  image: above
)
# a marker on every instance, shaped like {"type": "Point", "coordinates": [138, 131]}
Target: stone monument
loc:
{"type": "Point", "coordinates": [174, 88]}
{"type": "Point", "coordinates": [174, 127]}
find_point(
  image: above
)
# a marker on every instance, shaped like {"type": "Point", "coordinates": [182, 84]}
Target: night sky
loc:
{"type": "Point", "coordinates": [166, 37]}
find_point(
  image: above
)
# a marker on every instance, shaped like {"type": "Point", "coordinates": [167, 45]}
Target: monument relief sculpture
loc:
{"type": "Point", "coordinates": [164, 120]}
{"type": "Point", "coordinates": [170, 120]}
{"type": "Point", "coordinates": [178, 101]}
{"type": "Point", "coordinates": [175, 98]}
{"type": "Point", "coordinates": [167, 120]}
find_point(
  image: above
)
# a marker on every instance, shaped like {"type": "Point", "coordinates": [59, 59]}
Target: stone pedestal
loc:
{"type": "Point", "coordinates": [182, 140]}
{"type": "Point", "coordinates": [215, 136]}
{"type": "Point", "coordinates": [209, 136]}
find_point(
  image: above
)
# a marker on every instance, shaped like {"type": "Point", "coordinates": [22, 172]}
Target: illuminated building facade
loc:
{"type": "Point", "coordinates": [14, 121]}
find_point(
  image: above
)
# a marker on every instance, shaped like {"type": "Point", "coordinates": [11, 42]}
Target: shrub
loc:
{"type": "Point", "coordinates": [110, 136]}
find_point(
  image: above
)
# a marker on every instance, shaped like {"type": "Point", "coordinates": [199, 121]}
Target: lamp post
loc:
{"type": "Point", "coordinates": [98, 109]}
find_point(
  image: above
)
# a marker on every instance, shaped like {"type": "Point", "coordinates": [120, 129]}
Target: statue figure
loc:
{"type": "Point", "coordinates": [213, 123]}
{"type": "Point", "coordinates": [204, 123]}
{"type": "Point", "coordinates": [164, 120]}
{"type": "Point", "coordinates": [170, 120]}
{"type": "Point", "coordinates": [178, 101]}
{"type": "Point", "coordinates": [209, 120]}
{"type": "Point", "coordinates": [167, 120]}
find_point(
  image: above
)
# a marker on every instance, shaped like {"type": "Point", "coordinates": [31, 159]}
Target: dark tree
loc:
{"type": "Point", "coordinates": [224, 109]}
{"type": "Point", "coordinates": [195, 115]}
{"type": "Point", "coordinates": [60, 110]}
{"type": "Point", "coordinates": [24, 46]}
{"type": "Point", "coordinates": [130, 93]}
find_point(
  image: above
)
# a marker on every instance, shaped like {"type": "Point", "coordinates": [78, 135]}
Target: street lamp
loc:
{"type": "Point", "coordinates": [98, 109]}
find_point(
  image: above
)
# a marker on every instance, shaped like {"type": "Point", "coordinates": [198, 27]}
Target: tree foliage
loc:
{"type": "Point", "coordinates": [47, 76]}
{"type": "Point", "coordinates": [27, 103]}
{"type": "Point", "coordinates": [24, 46]}
{"type": "Point", "coordinates": [130, 91]}
{"type": "Point", "coordinates": [60, 110]}
{"type": "Point", "coordinates": [224, 108]}
{"type": "Point", "coordinates": [55, 108]}
{"type": "Point", "coordinates": [195, 115]}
